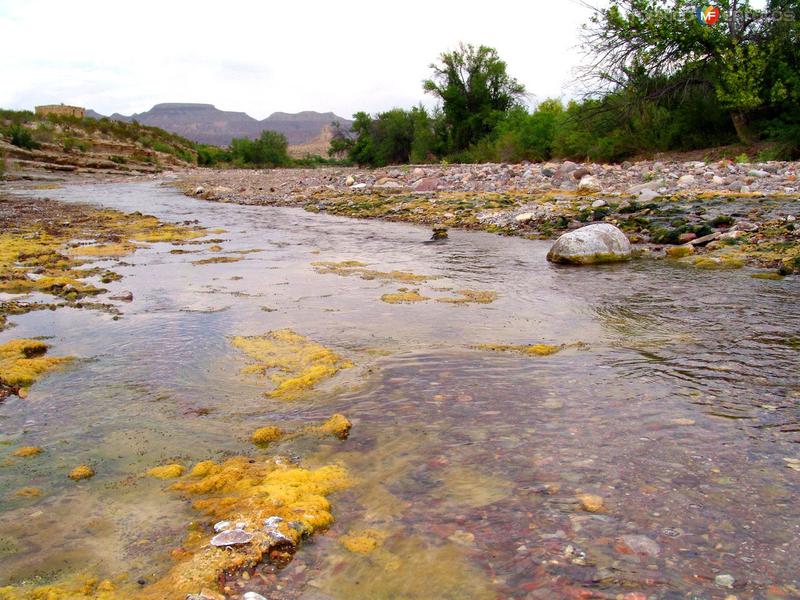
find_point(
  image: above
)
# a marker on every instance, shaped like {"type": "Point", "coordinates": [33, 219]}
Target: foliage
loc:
{"type": "Point", "coordinates": [21, 136]}
{"type": "Point", "coordinates": [269, 150]}
{"type": "Point", "coordinates": [475, 90]}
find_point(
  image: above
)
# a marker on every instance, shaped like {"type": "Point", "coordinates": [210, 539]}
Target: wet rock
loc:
{"type": "Point", "coordinates": [222, 526]}
{"type": "Point", "coordinates": [205, 594]}
{"type": "Point", "coordinates": [122, 296]}
{"type": "Point", "coordinates": [724, 580]}
{"type": "Point", "coordinates": [638, 544]}
{"type": "Point", "coordinates": [593, 244]}
{"type": "Point", "coordinates": [439, 233]}
{"type": "Point", "coordinates": [591, 503]}
{"type": "Point", "coordinates": [232, 537]}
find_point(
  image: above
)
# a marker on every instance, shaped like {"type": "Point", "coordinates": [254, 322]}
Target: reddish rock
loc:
{"type": "Point", "coordinates": [427, 184]}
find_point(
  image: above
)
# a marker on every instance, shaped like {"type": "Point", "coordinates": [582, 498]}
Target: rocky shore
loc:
{"type": "Point", "coordinates": [721, 214]}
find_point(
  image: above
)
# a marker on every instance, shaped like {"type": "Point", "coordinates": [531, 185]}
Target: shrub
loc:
{"type": "Point", "coordinates": [269, 150]}
{"type": "Point", "coordinates": [21, 137]}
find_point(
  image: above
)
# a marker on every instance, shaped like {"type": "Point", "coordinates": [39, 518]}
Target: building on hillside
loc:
{"type": "Point", "coordinates": [61, 110]}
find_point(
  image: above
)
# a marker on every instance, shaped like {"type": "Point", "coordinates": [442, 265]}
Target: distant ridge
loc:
{"type": "Point", "coordinates": [206, 124]}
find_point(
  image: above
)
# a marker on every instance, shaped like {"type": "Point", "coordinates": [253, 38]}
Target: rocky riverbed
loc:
{"type": "Point", "coordinates": [721, 214]}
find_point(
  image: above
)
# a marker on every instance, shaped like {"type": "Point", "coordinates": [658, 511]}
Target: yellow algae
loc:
{"type": "Point", "coordinates": [404, 297]}
{"type": "Point", "coordinates": [300, 363]}
{"type": "Point", "coordinates": [530, 349]}
{"type": "Point", "coordinates": [337, 425]}
{"type": "Point", "coordinates": [22, 362]}
{"type": "Point", "coordinates": [591, 503]}
{"type": "Point", "coordinates": [215, 248]}
{"type": "Point", "coordinates": [25, 451]}
{"type": "Point", "coordinates": [245, 490]}
{"type": "Point", "coordinates": [166, 471]}
{"type": "Point", "coordinates": [364, 541]}
{"type": "Point", "coordinates": [354, 267]}
{"type": "Point", "coordinates": [267, 435]}
{"type": "Point", "coordinates": [721, 261]}
{"type": "Point", "coordinates": [217, 259]}
{"type": "Point", "coordinates": [76, 588]}
{"type": "Point", "coordinates": [110, 250]}
{"type": "Point", "coordinates": [679, 251]}
{"type": "Point", "coordinates": [471, 296]}
{"type": "Point", "coordinates": [28, 492]}
{"type": "Point", "coordinates": [81, 472]}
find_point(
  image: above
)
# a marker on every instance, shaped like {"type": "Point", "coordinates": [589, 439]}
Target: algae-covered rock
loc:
{"type": "Point", "coordinates": [22, 362]}
{"type": "Point", "coordinates": [404, 297]}
{"type": "Point", "coordinates": [299, 363]}
{"type": "Point", "coordinates": [26, 451]}
{"type": "Point", "coordinates": [81, 472]}
{"type": "Point", "coordinates": [594, 244]}
{"type": "Point", "coordinates": [529, 350]}
{"type": "Point", "coordinates": [166, 471]}
{"type": "Point", "coordinates": [266, 435]}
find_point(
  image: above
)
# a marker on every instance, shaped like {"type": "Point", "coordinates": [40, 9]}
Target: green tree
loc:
{"type": "Point", "coordinates": [269, 150]}
{"type": "Point", "coordinates": [659, 48]}
{"type": "Point", "coordinates": [476, 91]}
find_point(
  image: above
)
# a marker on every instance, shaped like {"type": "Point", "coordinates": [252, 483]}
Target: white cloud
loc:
{"type": "Point", "coordinates": [261, 57]}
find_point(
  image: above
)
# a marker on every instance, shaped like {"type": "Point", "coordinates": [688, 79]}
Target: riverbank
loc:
{"type": "Point", "coordinates": [724, 214]}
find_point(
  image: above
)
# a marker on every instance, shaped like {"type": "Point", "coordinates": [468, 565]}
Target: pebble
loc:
{"type": "Point", "coordinates": [233, 537]}
{"type": "Point", "coordinates": [253, 596]}
{"type": "Point", "coordinates": [222, 526]}
{"type": "Point", "coordinates": [724, 580]}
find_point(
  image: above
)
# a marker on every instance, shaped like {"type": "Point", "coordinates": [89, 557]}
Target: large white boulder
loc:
{"type": "Point", "coordinates": [591, 245]}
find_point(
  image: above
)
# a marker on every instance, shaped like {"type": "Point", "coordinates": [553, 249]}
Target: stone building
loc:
{"type": "Point", "coordinates": [62, 110]}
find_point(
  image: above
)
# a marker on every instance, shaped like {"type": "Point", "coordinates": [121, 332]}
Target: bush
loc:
{"type": "Point", "coordinates": [269, 150]}
{"type": "Point", "coordinates": [21, 136]}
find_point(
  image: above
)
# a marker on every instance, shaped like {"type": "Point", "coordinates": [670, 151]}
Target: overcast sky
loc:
{"type": "Point", "coordinates": [261, 56]}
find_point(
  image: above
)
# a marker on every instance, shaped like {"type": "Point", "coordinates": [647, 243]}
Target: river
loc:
{"type": "Point", "coordinates": [676, 401]}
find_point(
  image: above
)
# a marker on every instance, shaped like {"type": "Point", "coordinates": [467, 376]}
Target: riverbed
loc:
{"type": "Point", "coordinates": [656, 453]}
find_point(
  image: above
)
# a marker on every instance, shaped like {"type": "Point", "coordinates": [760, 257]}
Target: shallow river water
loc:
{"type": "Point", "coordinates": [678, 407]}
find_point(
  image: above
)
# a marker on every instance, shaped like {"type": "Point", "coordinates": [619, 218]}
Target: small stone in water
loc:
{"type": "Point", "coordinates": [724, 580]}
{"type": "Point", "coordinates": [241, 525]}
{"type": "Point", "coordinates": [591, 503]}
{"type": "Point", "coordinates": [222, 526]}
{"type": "Point", "coordinates": [234, 537]}
{"type": "Point", "coordinates": [253, 596]}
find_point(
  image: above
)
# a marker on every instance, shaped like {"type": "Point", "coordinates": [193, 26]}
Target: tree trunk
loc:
{"type": "Point", "coordinates": [742, 128]}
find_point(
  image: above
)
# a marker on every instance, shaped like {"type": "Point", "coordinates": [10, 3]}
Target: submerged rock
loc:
{"type": "Point", "coordinates": [593, 244]}
{"type": "Point", "coordinates": [232, 537]}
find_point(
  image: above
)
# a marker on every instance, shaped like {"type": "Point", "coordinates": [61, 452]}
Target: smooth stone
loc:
{"type": "Point", "coordinates": [648, 195]}
{"type": "Point", "coordinates": [233, 537]}
{"type": "Point", "coordinates": [253, 596]}
{"type": "Point", "coordinates": [593, 244]}
{"type": "Point", "coordinates": [222, 526]}
{"type": "Point", "coordinates": [599, 203]}
{"type": "Point", "coordinates": [588, 184]}
{"type": "Point", "coordinates": [724, 580]}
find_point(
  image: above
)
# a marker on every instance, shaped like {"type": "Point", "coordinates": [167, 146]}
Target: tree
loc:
{"type": "Point", "coordinates": [660, 48]}
{"type": "Point", "coordinates": [270, 149]}
{"type": "Point", "coordinates": [476, 91]}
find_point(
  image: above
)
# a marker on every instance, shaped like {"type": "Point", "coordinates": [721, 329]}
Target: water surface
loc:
{"type": "Point", "coordinates": [678, 409]}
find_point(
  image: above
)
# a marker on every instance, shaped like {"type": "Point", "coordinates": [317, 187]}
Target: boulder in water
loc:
{"type": "Point", "coordinates": [591, 245]}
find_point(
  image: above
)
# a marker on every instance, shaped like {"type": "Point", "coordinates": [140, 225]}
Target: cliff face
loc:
{"type": "Point", "coordinates": [207, 124]}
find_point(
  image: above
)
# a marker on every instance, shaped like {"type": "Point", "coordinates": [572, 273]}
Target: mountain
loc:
{"type": "Point", "coordinates": [207, 124]}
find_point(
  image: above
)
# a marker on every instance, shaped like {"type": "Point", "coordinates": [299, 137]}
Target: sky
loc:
{"type": "Point", "coordinates": [262, 56]}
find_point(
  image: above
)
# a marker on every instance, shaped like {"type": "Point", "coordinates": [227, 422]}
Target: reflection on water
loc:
{"type": "Point", "coordinates": [678, 413]}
